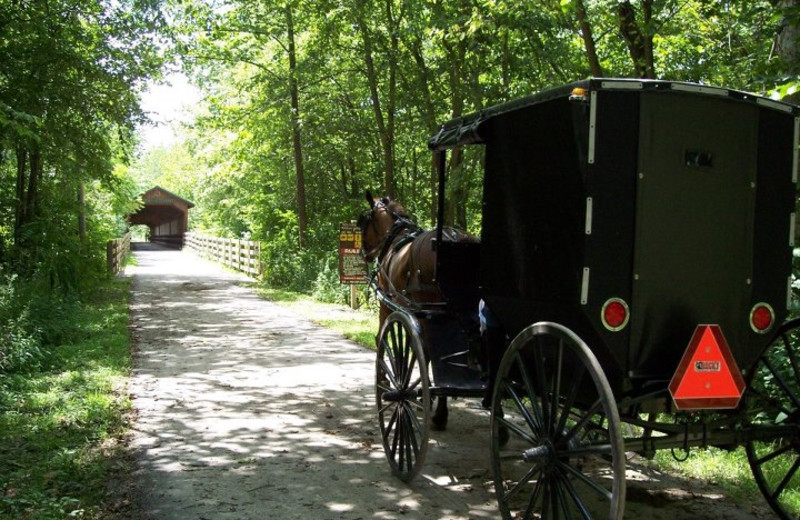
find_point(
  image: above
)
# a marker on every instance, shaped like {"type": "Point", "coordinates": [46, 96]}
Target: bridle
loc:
{"type": "Point", "coordinates": [400, 224]}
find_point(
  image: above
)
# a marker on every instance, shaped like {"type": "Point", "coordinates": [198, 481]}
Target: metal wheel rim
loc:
{"type": "Point", "coordinates": [548, 484]}
{"type": "Point", "coordinates": [774, 400]}
{"type": "Point", "coordinates": [402, 395]}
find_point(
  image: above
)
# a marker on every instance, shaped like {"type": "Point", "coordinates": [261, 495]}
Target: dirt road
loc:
{"type": "Point", "coordinates": [246, 411]}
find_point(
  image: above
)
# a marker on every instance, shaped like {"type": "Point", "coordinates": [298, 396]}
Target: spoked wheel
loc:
{"type": "Point", "coordinates": [402, 395]}
{"type": "Point", "coordinates": [773, 399]}
{"type": "Point", "coordinates": [565, 457]}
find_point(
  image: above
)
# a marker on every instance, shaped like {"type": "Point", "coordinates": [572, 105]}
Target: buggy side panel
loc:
{"type": "Point", "coordinates": [534, 213]}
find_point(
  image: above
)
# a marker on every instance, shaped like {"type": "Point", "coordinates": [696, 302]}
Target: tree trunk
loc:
{"type": "Point", "coordinates": [455, 211]}
{"type": "Point", "coordinates": [588, 39]}
{"type": "Point", "coordinates": [297, 149]}
{"type": "Point", "coordinates": [19, 213]}
{"type": "Point", "coordinates": [786, 42]}
{"type": "Point", "coordinates": [384, 131]}
{"type": "Point", "coordinates": [638, 40]}
{"type": "Point", "coordinates": [81, 213]}
{"type": "Point", "coordinates": [33, 185]}
{"type": "Point", "coordinates": [428, 110]}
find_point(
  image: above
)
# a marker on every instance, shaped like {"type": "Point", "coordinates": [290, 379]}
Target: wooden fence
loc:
{"type": "Point", "coordinates": [116, 250]}
{"type": "Point", "coordinates": [242, 255]}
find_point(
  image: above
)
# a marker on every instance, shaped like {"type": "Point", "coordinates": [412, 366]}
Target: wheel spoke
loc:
{"type": "Point", "coordinates": [388, 372]}
{"type": "Point", "coordinates": [540, 383]}
{"type": "Point", "coordinates": [786, 479]}
{"type": "Point", "coordinates": [417, 426]}
{"type": "Point", "coordinates": [516, 429]}
{"type": "Point", "coordinates": [523, 410]}
{"type": "Point", "coordinates": [537, 421]}
{"type": "Point", "coordinates": [792, 357]}
{"type": "Point", "coordinates": [410, 370]}
{"type": "Point", "coordinates": [562, 499]}
{"type": "Point", "coordinates": [537, 469]}
{"type": "Point", "coordinates": [570, 400]}
{"type": "Point", "coordinates": [400, 450]}
{"type": "Point", "coordinates": [545, 498]}
{"type": "Point", "coordinates": [770, 402]}
{"type": "Point", "coordinates": [391, 429]}
{"type": "Point", "coordinates": [779, 378]}
{"type": "Point", "coordinates": [585, 419]}
{"type": "Point", "coordinates": [576, 499]}
{"type": "Point", "coordinates": [777, 453]}
{"type": "Point", "coordinates": [409, 438]}
{"type": "Point", "coordinates": [385, 407]}
{"type": "Point", "coordinates": [589, 482]}
{"type": "Point", "coordinates": [556, 390]}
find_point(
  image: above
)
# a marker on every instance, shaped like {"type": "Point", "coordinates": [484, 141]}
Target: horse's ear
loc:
{"type": "Point", "coordinates": [370, 200]}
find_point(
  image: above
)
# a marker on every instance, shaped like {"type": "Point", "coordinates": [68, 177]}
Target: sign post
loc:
{"type": "Point", "coordinates": [352, 267]}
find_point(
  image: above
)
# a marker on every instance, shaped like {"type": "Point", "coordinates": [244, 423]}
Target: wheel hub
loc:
{"type": "Point", "coordinates": [538, 453]}
{"type": "Point", "coordinates": [397, 396]}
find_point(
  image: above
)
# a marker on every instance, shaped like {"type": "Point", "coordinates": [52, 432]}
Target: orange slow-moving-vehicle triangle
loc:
{"type": "Point", "coordinates": [707, 376]}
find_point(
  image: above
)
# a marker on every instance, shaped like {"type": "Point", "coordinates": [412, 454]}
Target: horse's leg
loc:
{"type": "Point", "coordinates": [439, 418]}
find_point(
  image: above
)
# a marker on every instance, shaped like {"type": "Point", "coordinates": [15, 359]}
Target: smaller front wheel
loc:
{"type": "Point", "coordinates": [402, 395]}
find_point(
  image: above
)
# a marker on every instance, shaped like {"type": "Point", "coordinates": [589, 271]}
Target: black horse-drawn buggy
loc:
{"type": "Point", "coordinates": [636, 252]}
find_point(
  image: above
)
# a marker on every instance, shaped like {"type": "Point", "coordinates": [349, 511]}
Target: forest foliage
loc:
{"type": "Point", "coordinates": [306, 103]}
{"type": "Point", "coordinates": [70, 76]}
{"type": "Point", "coordinates": [310, 102]}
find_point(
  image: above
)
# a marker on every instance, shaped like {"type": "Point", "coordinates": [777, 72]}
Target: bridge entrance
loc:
{"type": "Point", "coordinates": [165, 214]}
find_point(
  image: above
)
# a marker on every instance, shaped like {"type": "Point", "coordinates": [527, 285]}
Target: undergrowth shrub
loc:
{"type": "Point", "coordinates": [327, 287]}
{"type": "Point", "coordinates": [20, 346]}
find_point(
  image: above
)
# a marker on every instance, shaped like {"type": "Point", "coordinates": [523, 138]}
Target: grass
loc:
{"type": "Point", "coordinates": [60, 427]}
{"type": "Point", "coordinates": [360, 326]}
{"type": "Point", "coordinates": [728, 469]}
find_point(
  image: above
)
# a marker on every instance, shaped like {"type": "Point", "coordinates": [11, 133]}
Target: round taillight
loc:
{"type": "Point", "coordinates": [761, 317]}
{"type": "Point", "coordinates": [615, 314]}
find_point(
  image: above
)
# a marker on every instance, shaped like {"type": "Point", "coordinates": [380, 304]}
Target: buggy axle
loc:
{"type": "Point", "coordinates": [702, 438]}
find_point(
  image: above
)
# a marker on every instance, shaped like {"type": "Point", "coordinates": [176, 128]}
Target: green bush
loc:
{"type": "Point", "coordinates": [327, 287]}
{"type": "Point", "coordinates": [20, 346]}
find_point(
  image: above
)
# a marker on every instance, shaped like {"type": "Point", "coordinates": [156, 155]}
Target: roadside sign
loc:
{"type": "Point", "coordinates": [707, 376]}
{"type": "Point", "coordinates": [352, 267]}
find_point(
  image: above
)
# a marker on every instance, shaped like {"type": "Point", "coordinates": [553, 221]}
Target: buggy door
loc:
{"type": "Point", "coordinates": [694, 224]}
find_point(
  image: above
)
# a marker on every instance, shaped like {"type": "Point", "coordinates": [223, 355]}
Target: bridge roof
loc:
{"type": "Point", "coordinates": [157, 196]}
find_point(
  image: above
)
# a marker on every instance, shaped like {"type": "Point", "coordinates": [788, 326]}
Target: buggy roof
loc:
{"type": "Point", "coordinates": [467, 129]}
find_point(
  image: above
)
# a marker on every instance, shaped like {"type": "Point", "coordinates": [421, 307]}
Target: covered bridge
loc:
{"type": "Point", "coordinates": [166, 214]}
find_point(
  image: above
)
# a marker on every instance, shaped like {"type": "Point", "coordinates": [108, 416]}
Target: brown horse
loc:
{"type": "Point", "coordinates": [406, 262]}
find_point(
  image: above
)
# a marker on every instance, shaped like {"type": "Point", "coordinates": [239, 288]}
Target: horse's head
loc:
{"type": "Point", "coordinates": [376, 224]}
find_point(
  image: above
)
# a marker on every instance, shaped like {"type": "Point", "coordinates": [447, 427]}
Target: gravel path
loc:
{"type": "Point", "coordinates": [245, 411]}
{"type": "Point", "coordinates": [248, 412]}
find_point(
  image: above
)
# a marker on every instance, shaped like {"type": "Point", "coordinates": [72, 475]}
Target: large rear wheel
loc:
{"type": "Point", "coordinates": [402, 395]}
{"type": "Point", "coordinates": [773, 399]}
{"type": "Point", "coordinates": [565, 457]}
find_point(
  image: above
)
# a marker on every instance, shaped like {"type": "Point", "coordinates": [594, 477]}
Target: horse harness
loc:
{"type": "Point", "coordinates": [403, 232]}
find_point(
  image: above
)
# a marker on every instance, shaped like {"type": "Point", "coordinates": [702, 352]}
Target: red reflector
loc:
{"type": "Point", "coordinates": [761, 317]}
{"type": "Point", "coordinates": [615, 314]}
{"type": "Point", "coordinates": [707, 376]}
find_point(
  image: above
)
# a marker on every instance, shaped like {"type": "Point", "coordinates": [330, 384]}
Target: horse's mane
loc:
{"type": "Point", "coordinates": [397, 208]}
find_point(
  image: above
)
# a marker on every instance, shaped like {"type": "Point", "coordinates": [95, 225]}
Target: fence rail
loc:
{"type": "Point", "coordinates": [242, 255]}
{"type": "Point", "coordinates": [116, 250]}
